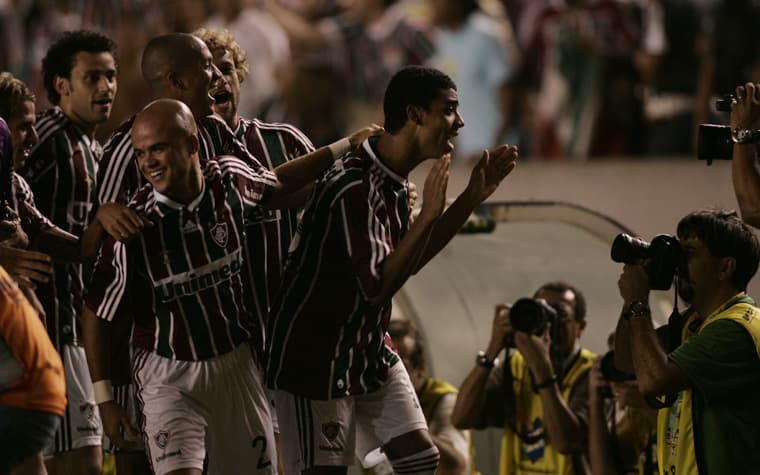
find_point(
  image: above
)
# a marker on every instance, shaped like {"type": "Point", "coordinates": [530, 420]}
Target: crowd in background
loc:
{"type": "Point", "coordinates": [563, 79]}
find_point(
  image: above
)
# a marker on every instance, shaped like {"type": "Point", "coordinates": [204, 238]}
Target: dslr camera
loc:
{"type": "Point", "coordinates": [611, 374]}
{"type": "Point", "coordinates": [716, 142]}
{"type": "Point", "coordinates": [662, 257]}
{"type": "Point", "coordinates": [531, 315]}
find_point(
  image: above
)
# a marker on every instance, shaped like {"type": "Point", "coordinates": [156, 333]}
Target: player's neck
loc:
{"type": "Point", "coordinates": [86, 127]}
{"type": "Point", "coordinates": [396, 151]}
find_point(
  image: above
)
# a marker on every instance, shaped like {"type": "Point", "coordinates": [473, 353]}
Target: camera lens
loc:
{"type": "Point", "coordinates": [530, 315]}
{"type": "Point", "coordinates": [628, 249]}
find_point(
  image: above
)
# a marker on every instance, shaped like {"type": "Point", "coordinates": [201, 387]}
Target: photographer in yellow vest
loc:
{"type": "Point", "coordinates": [539, 394]}
{"type": "Point", "coordinates": [712, 374]}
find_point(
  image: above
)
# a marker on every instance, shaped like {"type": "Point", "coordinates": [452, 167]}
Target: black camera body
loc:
{"type": "Point", "coordinates": [532, 315]}
{"type": "Point", "coordinates": [663, 255]}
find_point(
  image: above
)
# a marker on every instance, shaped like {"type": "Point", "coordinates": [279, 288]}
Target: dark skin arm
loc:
{"type": "Point", "coordinates": [472, 392]}
{"type": "Point", "coordinates": [655, 373]}
{"type": "Point", "coordinates": [745, 113]}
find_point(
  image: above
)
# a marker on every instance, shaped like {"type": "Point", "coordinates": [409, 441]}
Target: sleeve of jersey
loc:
{"type": "Point", "coordinates": [232, 146]}
{"type": "Point", "coordinates": [720, 360]}
{"type": "Point", "coordinates": [40, 173]}
{"type": "Point", "coordinates": [109, 280]}
{"type": "Point", "coordinates": [118, 178]}
{"type": "Point", "coordinates": [32, 221]}
{"type": "Point", "coordinates": [366, 236]}
{"type": "Point", "coordinates": [254, 187]}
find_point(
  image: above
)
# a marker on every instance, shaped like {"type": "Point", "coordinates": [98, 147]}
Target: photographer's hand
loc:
{"type": "Point", "coordinates": [745, 110]}
{"type": "Point", "coordinates": [500, 329]}
{"type": "Point", "coordinates": [537, 353]}
{"type": "Point", "coordinates": [744, 170]}
{"type": "Point", "coordinates": [634, 283]}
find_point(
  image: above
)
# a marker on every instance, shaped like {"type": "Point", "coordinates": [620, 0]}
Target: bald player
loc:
{"type": "Point", "coordinates": [199, 386]}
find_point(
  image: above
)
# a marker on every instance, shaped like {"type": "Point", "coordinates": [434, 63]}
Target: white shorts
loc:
{"type": "Point", "coordinates": [216, 407]}
{"type": "Point", "coordinates": [81, 425]}
{"type": "Point", "coordinates": [332, 433]}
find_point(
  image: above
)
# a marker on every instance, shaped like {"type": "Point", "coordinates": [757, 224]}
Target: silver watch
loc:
{"type": "Point", "coordinates": [742, 136]}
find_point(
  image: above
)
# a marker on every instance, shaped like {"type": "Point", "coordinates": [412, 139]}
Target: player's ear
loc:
{"type": "Point", "coordinates": [414, 114]}
{"type": "Point", "coordinates": [195, 144]}
{"type": "Point", "coordinates": [62, 85]}
{"type": "Point", "coordinates": [175, 80]}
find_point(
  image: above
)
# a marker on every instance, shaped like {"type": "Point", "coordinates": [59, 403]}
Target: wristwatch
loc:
{"type": "Point", "coordinates": [742, 136]}
{"type": "Point", "coordinates": [635, 309]}
{"type": "Point", "coordinates": [482, 360]}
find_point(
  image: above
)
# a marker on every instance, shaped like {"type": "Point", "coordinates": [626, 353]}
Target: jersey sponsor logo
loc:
{"type": "Point", "coordinates": [219, 233]}
{"type": "Point", "coordinates": [204, 277]}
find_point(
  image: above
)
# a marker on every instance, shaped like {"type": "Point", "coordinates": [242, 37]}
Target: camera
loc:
{"type": "Point", "coordinates": [714, 142]}
{"type": "Point", "coordinates": [611, 374]}
{"type": "Point", "coordinates": [663, 254]}
{"type": "Point", "coordinates": [532, 315]}
{"type": "Point", "coordinates": [725, 102]}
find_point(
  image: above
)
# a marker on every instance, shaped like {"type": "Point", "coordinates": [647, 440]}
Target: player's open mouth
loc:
{"type": "Point", "coordinates": [222, 97]}
{"type": "Point", "coordinates": [106, 101]}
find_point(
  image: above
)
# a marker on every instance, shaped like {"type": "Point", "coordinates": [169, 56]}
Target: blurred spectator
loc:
{"type": "Point", "coordinates": [461, 28]}
{"type": "Point", "coordinates": [573, 41]}
{"type": "Point", "coordinates": [672, 48]}
{"type": "Point", "coordinates": [265, 44]}
{"type": "Point", "coordinates": [369, 41]}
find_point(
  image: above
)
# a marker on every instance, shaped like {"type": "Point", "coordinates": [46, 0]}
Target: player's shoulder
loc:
{"type": "Point", "coordinates": [283, 129]}
{"type": "Point", "coordinates": [120, 137]}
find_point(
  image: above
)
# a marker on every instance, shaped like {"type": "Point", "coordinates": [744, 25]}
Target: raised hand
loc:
{"type": "Point", "coordinates": [434, 193]}
{"type": "Point", "coordinates": [360, 135]}
{"type": "Point", "coordinates": [120, 222]}
{"type": "Point", "coordinates": [492, 168]}
{"type": "Point", "coordinates": [745, 110]}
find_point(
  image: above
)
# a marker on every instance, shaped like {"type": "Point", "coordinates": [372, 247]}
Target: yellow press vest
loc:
{"type": "Point", "coordinates": [431, 394]}
{"type": "Point", "coordinates": [675, 435]}
{"type": "Point", "coordinates": [536, 455]}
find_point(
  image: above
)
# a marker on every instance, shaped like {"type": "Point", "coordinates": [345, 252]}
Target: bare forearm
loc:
{"type": "Point", "coordinates": [623, 360]}
{"type": "Point", "coordinates": [600, 450]}
{"type": "Point", "coordinates": [96, 339]}
{"type": "Point", "coordinates": [565, 430]}
{"type": "Point", "coordinates": [60, 245]}
{"type": "Point", "coordinates": [471, 398]}
{"type": "Point", "coordinates": [649, 360]}
{"type": "Point", "coordinates": [746, 179]}
{"type": "Point", "coordinates": [447, 226]}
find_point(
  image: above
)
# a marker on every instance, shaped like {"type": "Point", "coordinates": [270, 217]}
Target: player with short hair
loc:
{"type": "Point", "coordinates": [79, 72]}
{"type": "Point", "coordinates": [337, 382]}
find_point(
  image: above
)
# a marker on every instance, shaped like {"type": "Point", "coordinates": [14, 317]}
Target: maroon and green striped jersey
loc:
{"type": "Point", "coordinates": [119, 178]}
{"type": "Point", "coordinates": [324, 337]}
{"type": "Point", "coordinates": [183, 277]}
{"type": "Point", "coordinates": [268, 242]}
{"type": "Point", "coordinates": [61, 172]}
{"type": "Point", "coordinates": [32, 221]}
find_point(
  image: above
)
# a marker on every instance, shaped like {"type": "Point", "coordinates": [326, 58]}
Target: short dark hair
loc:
{"type": "Point", "coordinates": [398, 329]}
{"type": "Point", "coordinates": [412, 85]}
{"type": "Point", "coordinates": [60, 57]}
{"type": "Point", "coordinates": [13, 93]}
{"type": "Point", "coordinates": [725, 235]}
{"type": "Point", "coordinates": [562, 286]}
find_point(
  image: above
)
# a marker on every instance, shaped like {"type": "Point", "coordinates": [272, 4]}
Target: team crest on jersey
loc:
{"type": "Point", "coordinates": [331, 430]}
{"type": "Point", "coordinates": [219, 233]}
{"type": "Point", "coordinates": [162, 439]}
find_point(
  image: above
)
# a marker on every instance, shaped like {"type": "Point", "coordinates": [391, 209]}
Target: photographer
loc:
{"type": "Point", "coordinates": [622, 428]}
{"type": "Point", "coordinates": [713, 375]}
{"type": "Point", "coordinates": [539, 395]}
{"type": "Point", "coordinates": [745, 112]}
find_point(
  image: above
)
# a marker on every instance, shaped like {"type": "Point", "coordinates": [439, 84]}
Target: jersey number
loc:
{"type": "Point", "coordinates": [263, 462]}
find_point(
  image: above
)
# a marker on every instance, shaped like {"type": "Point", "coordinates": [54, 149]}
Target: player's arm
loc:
{"type": "Point", "coordinates": [296, 178]}
{"type": "Point", "coordinates": [486, 176]}
{"type": "Point", "coordinates": [398, 265]}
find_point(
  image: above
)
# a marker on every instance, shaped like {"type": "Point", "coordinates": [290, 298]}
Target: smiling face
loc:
{"type": "Point", "coordinates": [167, 158]}
{"type": "Point", "coordinates": [439, 124]}
{"type": "Point", "coordinates": [87, 95]}
{"type": "Point", "coordinates": [198, 76]}
{"type": "Point", "coordinates": [23, 134]}
{"type": "Point", "coordinates": [227, 92]}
